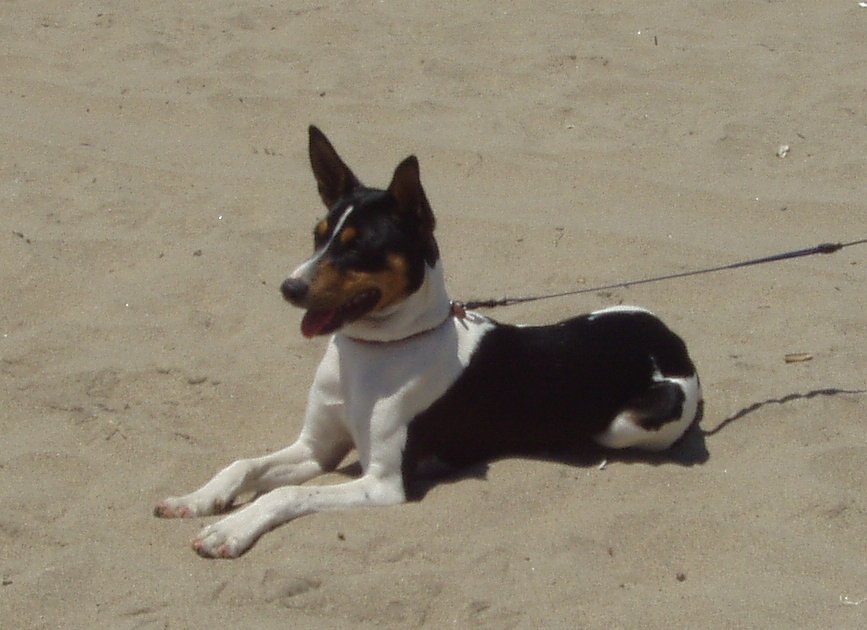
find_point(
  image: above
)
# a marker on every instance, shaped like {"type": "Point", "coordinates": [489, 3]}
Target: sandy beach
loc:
{"type": "Point", "coordinates": [155, 191]}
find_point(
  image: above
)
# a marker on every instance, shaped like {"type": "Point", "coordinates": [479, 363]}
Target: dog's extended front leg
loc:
{"type": "Point", "coordinates": [292, 465]}
{"type": "Point", "coordinates": [323, 442]}
{"type": "Point", "coordinates": [233, 535]}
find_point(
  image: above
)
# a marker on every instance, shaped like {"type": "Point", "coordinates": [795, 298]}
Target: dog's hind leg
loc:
{"type": "Point", "coordinates": [656, 419]}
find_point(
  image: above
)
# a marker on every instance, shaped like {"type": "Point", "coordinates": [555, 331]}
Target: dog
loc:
{"type": "Point", "coordinates": [407, 378]}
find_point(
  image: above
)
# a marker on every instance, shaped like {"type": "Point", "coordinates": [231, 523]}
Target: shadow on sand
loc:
{"type": "Point", "coordinates": [690, 450]}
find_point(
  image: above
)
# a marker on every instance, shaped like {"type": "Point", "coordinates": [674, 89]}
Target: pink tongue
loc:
{"type": "Point", "coordinates": [314, 322]}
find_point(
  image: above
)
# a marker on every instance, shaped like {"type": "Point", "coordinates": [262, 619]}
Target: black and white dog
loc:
{"type": "Point", "coordinates": [407, 378]}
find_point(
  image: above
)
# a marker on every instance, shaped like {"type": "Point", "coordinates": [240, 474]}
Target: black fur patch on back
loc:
{"type": "Point", "coordinates": [547, 389]}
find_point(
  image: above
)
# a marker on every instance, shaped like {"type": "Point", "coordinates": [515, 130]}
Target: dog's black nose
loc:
{"type": "Point", "coordinates": [294, 290]}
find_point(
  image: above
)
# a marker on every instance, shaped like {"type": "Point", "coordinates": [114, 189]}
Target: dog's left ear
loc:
{"type": "Point", "coordinates": [406, 188]}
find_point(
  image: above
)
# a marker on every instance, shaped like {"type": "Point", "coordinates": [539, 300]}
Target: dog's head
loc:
{"type": "Point", "coordinates": [370, 250]}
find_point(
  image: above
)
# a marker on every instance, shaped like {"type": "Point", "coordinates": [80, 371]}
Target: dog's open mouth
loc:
{"type": "Point", "coordinates": [327, 320]}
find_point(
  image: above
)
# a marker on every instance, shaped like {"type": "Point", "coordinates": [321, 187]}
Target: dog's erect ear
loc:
{"type": "Point", "coordinates": [333, 177]}
{"type": "Point", "coordinates": [406, 188]}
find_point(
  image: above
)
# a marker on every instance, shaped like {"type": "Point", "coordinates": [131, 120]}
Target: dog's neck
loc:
{"type": "Point", "coordinates": [422, 311]}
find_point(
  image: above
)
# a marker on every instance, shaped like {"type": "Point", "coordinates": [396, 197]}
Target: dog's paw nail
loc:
{"type": "Point", "coordinates": [190, 506]}
{"type": "Point", "coordinates": [164, 510]}
{"type": "Point", "coordinates": [209, 546]}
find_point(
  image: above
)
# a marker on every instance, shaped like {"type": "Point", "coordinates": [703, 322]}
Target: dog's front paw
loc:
{"type": "Point", "coordinates": [227, 539]}
{"type": "Point", "coordinates": [189, 506]}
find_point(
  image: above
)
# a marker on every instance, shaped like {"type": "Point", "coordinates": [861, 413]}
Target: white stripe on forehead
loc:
{"type": "Point", "coordinates": [305, 270]}
{"type": "Point", "coordinates": [340, 223]}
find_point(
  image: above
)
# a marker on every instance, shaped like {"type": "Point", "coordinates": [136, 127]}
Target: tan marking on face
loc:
{"type": "Point", "coordinates": [325, 286]}
{"type": "Point", "coordinates": [348, 234]}
{"type": "Point", "coordinates": [322, 228]}
{"type": "Point", "coordinates": [330, 288]}
{"type": "Point", "coordinates": [392, 281]}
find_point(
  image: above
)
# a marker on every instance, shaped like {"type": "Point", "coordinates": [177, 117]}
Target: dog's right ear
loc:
{"type": "Point", "coordinates": [333, 177]}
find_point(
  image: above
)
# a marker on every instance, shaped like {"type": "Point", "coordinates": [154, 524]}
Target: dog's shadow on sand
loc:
{"type": "Point", "coordinates": [690, 450]}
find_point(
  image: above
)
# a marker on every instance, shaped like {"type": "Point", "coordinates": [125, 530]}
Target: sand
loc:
{"type": "Point", "coordinates": [155, 190]}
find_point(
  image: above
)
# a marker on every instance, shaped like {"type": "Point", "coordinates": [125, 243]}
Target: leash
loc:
{"type": "Point", "coordinates": [822, 248]}
{"type": "Point", "coordinates": [827, 391]}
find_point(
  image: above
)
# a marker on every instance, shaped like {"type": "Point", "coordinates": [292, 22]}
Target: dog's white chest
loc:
{"type": "Point", "coordinates": [385, 385]}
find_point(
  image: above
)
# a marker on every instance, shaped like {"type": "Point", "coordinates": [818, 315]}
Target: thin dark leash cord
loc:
{"type": "Point", "coordinates": [827, 391]}
{"type": "Point", "coordinates": [822, 248]}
